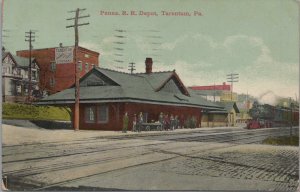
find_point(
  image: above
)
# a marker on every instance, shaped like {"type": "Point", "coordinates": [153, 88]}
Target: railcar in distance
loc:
{"type": "Point", "coordinates": [265, 116]}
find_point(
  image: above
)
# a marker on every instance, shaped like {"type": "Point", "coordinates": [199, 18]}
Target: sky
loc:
{"type": "Point", "coordinates": [257, 39]}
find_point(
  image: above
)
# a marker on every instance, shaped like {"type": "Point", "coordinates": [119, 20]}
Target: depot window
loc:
{"type": "Point", "coordinates": [102, 113]}
{"type": "Point", "coordinates": [90, 116]}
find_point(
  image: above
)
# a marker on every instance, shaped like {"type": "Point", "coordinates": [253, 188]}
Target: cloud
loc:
{"type": "Point", "coordinates": [247, 55]}
{"type": "Point", "coordinates": [171, 45]}
{"type": "Point", "coordinates": [202, 60]}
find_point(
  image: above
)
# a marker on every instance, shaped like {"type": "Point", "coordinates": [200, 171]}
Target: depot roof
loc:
{"type": "Point", "coordinates": [105, 85]}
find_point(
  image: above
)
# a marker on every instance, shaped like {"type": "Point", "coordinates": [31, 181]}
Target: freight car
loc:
{"type": "Point", "coordinates": [264, 116]}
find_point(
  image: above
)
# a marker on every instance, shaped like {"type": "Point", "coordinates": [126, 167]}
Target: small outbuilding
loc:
{"type": "Point", "coordinates": [220, 118]}
{"type": "Point", "coordinates": [232, 110]}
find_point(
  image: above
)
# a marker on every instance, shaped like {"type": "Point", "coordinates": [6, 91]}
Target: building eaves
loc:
{"type": "Point", "coordinates": [89, 94]}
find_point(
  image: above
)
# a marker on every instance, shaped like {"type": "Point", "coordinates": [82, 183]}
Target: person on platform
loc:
{"type": "Point", "coordinates": [125, 122]}
{"type": "Point", "coordinates": [172, 123]}
{"type": "Point", "coordinates": [166, 122]}
{"type": "Point", "coordinates": [161, 120]}
{"type": "Point", "coordinates": [181, 122]}
{"type": "Point", "coordinates": [176, 122]}
{"type": "Point", "coordinates": [134, 123]}
{"type": "Point", "coordinates": [140, 121]}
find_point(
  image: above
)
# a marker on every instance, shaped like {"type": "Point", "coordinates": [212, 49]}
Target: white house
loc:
{"type": "Point", "coordinates": [15, 81]}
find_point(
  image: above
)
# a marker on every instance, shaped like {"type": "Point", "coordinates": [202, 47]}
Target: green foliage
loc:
{"type": "Point", "coordinates": [24, 111]}
{"type": "Point", "coordinates": [282, 140]}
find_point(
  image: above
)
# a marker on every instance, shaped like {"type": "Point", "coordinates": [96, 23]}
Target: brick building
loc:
{"type": "Point", "coordinates": [105, 95]}
{"type": "Point", "coordinates": [56, 76]}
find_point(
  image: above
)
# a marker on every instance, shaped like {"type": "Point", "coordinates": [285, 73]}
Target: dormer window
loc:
{"type": "Point", "coordinates": [96, 83]}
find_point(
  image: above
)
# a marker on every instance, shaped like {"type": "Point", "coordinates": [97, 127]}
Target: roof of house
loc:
{"type": "Point", "coordinates": [4, 54]}
{"type": "Point", "coordinates": [20, 61]}
{"type": "Point", "coordinates": [127, 88]}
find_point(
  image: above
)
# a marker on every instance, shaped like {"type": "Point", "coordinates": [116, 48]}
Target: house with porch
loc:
{"type": "Point", "coordinates": [15, 78]}
{"type": "Point", "coordinates": [105, 96]}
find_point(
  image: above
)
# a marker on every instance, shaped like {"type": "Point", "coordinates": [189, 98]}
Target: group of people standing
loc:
{"type": "Point", "coordinates": [136, 123]}
{"type": "Point", "coordinates": [167, 122]}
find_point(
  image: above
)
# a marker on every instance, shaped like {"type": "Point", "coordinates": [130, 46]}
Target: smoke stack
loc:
{"type": "Point", "coordinates": [148, 63]}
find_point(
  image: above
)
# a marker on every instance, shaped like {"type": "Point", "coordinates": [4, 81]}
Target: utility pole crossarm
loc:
{"type": "Point", "coordinates": [78, 17]}
{"type": "Point", "coordinates": [232, 78]}
{"type": "Point", "coordinates": [77, 25]}
{"type": "Point", "coordinates": [74, 11]}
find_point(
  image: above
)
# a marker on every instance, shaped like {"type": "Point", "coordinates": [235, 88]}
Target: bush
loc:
{"type": "Point", "coordinates": [31, 112]}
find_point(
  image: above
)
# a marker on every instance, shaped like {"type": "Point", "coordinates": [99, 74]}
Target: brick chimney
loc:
{"type": "Point", "coordinates": [148, 63]}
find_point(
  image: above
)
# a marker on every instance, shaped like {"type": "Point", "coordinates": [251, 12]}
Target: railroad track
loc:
{"type": "Point", "coordinates": [234, 138]}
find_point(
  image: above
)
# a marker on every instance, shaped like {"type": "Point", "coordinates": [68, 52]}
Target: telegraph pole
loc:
{"type": "Point", "coordinates": [77, 74]}
{"type": "Point", "coordinates": [231, 78]}
{"type": "Point", "coordinates": [131, 67]}
{"type": "Point", "coordinates": [30, 37]}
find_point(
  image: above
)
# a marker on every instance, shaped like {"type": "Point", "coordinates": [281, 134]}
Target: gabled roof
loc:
{"type": "Point", "coordinates": [229, 106]}
{"type": "Point", "coordinates": [156, 79]}
{"type": "Point", "coordinates": [159, 79]}
{"type": "Point", "coordinates": [20, 61]}
{"type": "Point", "coordinates": [4, 54]}
{"type": "Point", "coordinates": [128, 88]}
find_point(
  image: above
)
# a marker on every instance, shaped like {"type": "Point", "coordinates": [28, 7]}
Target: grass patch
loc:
{"type": "Point", "coordinates": [282, 140]}
{"type": "Point", "coordinates": [31, 112]}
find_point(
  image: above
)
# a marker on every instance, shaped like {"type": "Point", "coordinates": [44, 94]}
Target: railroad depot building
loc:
{"type": "Point", "coordinates": [105, 95]}
{"type": "Point", "coordinates": [56, 65]}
